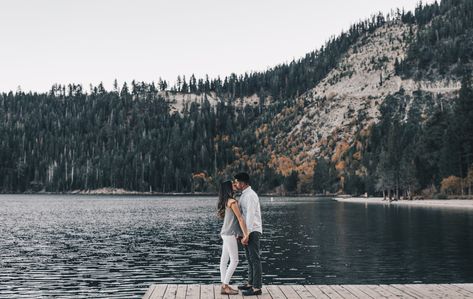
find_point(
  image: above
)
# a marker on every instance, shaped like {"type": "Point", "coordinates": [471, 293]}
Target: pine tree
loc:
{"type": "Point", "coordinates": [464, 118]}
{"type": "Point", "coordinates": [290, 182]}
{"type": "Point", "coordinates": [321, 178]}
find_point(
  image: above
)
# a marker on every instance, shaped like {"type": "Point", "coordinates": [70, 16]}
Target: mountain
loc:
{"type": "Point", "coordinates": [413, 64]}
{"type": "Point", "coordinates": [385, 107]}
{"type": "Point", "coordinates": [328, 120]}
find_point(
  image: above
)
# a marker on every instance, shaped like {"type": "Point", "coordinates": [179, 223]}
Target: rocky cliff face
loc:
{"type": "Point", "coordinates": [329, 119]}
{"type": "Point", "coordinates": [334, 118]}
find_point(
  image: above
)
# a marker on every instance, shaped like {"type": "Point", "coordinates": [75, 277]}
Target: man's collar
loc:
{"type": "Point", "coordinates": [246, 190]}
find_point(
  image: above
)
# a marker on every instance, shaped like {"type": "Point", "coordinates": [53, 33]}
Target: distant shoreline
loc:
{"type": "Point", "coordinates": [443, 203]}
{"type": "Point", "coordinates": [121, 191]}
{"type": "Point", "coordinates": [438, 203]}
{"type": "Point", "coordinates": [111, 191]}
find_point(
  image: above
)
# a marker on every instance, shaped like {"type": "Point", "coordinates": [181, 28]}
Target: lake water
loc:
{"type": "Point", "coordinates": [116, 246]}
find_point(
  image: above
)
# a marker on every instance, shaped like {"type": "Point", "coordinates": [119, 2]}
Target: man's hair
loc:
{"type": "Point", "coordinates": [243, 177]}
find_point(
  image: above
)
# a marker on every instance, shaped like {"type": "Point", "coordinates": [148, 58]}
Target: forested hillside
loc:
{"type": "Point", "coordinates": [386, 107]}
{"type": "Point", "coordinates": [428, 149]}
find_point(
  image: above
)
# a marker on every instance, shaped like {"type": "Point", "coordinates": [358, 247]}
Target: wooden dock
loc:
{"type": "Point", "coordinates": [204, 291]}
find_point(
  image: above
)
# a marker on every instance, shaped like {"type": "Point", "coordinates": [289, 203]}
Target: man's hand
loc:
{"type": "Point", "coordinates": [245, 240]}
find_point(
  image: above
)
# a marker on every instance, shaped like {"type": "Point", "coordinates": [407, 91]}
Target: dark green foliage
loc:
{"type": "Point", "coordinates": [322, 179]}
{"type": "Point", "coordinates": [290, 182]}
{"type": "Point", "coordinates": [463, 128]}
{"type": "Point", "coordinates": [444, 42]}
{"type": "Point", "coordinates": [355, 185]}
{"type": "Point", "coordinates": [414, 155]}
{"type": "Point", "coordinates": [69, 140]}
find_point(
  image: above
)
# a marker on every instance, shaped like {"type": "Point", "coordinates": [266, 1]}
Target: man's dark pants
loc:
{"type": "Point", "coordinates": [253, 255]}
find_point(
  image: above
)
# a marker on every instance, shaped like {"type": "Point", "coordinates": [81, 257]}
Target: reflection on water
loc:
{"type": "Point", "coordinates": [115, 247]}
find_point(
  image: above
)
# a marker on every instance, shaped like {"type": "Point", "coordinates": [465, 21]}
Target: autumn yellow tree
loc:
{"type": "Point", "coordinates": [451, 185]}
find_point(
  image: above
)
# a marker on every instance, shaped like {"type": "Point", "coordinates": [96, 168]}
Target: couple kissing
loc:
{"type": "Point", "coordinates": [241, 222]}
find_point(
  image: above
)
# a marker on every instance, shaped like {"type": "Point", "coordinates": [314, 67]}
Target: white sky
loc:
{"type": "Point", "coordinates": [88, 41]}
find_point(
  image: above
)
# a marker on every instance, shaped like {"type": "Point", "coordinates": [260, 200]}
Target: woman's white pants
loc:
{"type": "Point", "coordinates": [229, 252]}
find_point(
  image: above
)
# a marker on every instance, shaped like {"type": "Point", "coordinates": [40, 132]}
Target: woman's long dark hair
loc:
{"type": "Point", "coordinates": [225, 193]}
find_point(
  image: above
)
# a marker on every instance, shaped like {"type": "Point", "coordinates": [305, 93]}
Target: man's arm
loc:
{"type": "Point", "coordinates": [250, 212]}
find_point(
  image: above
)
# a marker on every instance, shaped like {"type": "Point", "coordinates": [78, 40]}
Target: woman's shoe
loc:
{"type": "Point", "coordinates": [228, 291]}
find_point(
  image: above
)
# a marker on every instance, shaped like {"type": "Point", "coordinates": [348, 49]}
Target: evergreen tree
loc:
{"type": "Point", "coordinates": [290, 182]}
{"type": "Point", "coordinates": [464, 121]}
{"type": "Point", "coordinates": [321, 178]}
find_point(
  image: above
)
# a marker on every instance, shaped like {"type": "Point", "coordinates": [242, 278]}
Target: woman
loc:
{"type": "Point", "coordinates": [233, 227]}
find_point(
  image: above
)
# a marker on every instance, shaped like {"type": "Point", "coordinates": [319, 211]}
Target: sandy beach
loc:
{"type": "Point", "coordinates": [447, 203]}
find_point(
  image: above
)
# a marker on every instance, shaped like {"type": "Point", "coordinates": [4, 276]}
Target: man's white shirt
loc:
{"type": "Point", "coordinates": [251, 211]}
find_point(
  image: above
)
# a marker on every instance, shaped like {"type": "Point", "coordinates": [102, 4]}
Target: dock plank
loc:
{"type": "Point", "coordinates": [330, 292]}
{"type": "Point", "coordinates": [149, 291]}
{"type": "Point", "coordinates": [303, 292]}
{"type": "Point", "coordinates": [343, 292]}
{"type": "Point", "coordinates": [366, 288]}
{"type": "Point", "coordinates": [317, 292]}
{"type": "Point", "coordinates": [441, 291]}
{"type": "Point", "coordinates": [289, 292]}
{"type": "Point", "coordinates": [171, 291]}
{"type": "Point", "coordinates": [265, 294]}
{"type": "Point", "coordinates": [452, 291]}
{"type": "Point", "coordinates": [354, 289]}
{"type": "Point", "coordinates": [207, 291]}
{"type": "Point", "coordinates": [384, 293]}
{"type": "Point", "coordinates": [193, 291]}
{"type": "Point", "coordinates": [371, 291]}
{"type": "Point", "coordinates": [275, 292]}
{"type": "Point", "coordinates": [181, 291]}
{"type": "Point", "coordinates": [398, 293]}
{"type": "Point", "coordinates": [465, 286]}
{"type": "Point", "coordinates": [159, 291]}
{"type": "Point", "coordinates": [423, 290]}
{"type": "Point", "coordinates": [407, 291]}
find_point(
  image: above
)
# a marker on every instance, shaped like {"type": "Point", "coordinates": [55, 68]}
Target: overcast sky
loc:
{"type": "Point", "coordinates": [88, 41]}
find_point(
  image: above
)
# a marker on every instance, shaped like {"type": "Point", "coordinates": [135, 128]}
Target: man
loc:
{"type": "Point", "coordinates": [251, 211]}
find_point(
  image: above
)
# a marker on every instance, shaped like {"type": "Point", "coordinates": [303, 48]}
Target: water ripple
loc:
{"type": "Point", "coordinates": [115, 247]}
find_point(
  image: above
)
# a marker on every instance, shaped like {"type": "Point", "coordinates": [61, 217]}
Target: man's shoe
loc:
{"type": "Point", "coordinates": [245, 287]}
{"type": "Point", "coordinates": [251, 292]}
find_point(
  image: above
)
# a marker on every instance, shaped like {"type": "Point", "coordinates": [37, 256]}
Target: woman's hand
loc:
{"type": "Point", "coordinates": [245, 240]}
